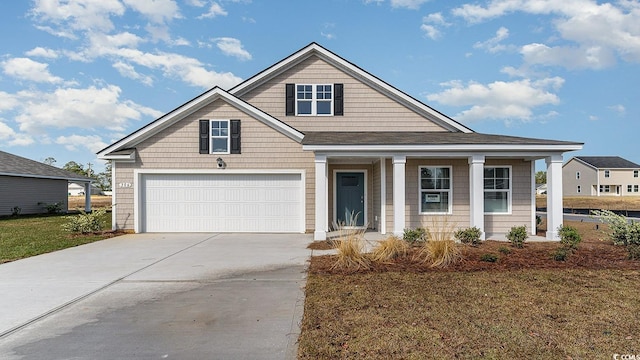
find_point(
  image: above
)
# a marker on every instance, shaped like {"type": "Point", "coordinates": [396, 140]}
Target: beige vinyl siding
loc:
{"type": "Point", "coordinates": [26, 193]}
{"type": "Point", "coordinates": [621, 178]}
{"type": "Point", "coordinates": [520, 198]}
{"type": "Point", "coordinates": [460, 193]}
{"type": "Point", "coordinates": [333, 168]}
{"type": "Point", "coordinates": [177, 148]}
{"type": "Point", "coordinates": [365, 109]}
{"type": "Point", "coordinates": [588, 179]}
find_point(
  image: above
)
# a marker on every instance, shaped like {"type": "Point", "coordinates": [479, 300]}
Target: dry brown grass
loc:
{"type": "Point", "coordinates": [440, 249]}
{"type": "Point", "coordinates": [97, 201]}
{"type": "Point", "coordinates": [351, 252]}
{"type": "Point", "coordinates": [390, 248]}
{"type": "Point", "coordinates": [630, 203]}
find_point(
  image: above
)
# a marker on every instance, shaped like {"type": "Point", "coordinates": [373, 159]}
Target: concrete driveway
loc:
{"type": "Point", "coordinates": [157, 296]}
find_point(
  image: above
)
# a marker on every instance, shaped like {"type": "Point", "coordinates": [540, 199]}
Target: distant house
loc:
{"type": "Point", "coordinates": [75, 189]}
{"type": "Point", "coordinates": [30, 185]}
{"type": "Point", "coordinates": [600, 176]}
{"type": "Point", "coordinates": [541, 189]}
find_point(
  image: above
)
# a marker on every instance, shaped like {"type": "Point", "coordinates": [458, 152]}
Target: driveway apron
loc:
{"type": "Point", "coordinates": [153, 296]}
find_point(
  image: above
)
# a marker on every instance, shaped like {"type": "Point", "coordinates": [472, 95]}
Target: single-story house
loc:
{"type": "Point", "coordinates": [75, 189]}
{"type": "Point", "coordinates": [311, 141]}
{"type": "Point", "coordinates": [600, 176]}
{"type": "Point", "coordinates": [27, 186]}
{"type": "Point", "coordinates": [541, 189]}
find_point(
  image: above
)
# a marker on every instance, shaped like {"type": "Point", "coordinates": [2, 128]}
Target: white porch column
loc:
{"type": "Point", "coordinates": [87, 197]}
{"type": "Point", "coordinates": [383, 196]}
{"type": "Point", "coordinates": [554, 196]}
{"type": "Point", "coordinates": [321, 198]}
{"type": "Point", "coordinates": [476, 193]}
{"type": "Point", "coordinates": [399, 162]}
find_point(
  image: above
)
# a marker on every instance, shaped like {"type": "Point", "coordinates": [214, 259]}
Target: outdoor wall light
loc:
{"type": "Point", "coordinates": [221, 163]}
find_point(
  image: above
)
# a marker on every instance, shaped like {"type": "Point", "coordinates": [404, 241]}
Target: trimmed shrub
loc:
{"type": "Point", "coordinates": [85, 223]}
{"type": "Point", "coordinates": [489, 257]}
{"type": "Point", "coordinates": [561, 254]}
{"type": "Point", "coordinates": [622, 232]}
{"type": "Point", "coordinates": [469, 236]}
{"type": "Point", "coordinates": [518, 235]}
{"type": "Point", "coordinates": [415, 236]}
{"type": "Point", "coordinates": [504, 250]}
{"type": "Point", "coordinates": [53, 208]}
{"type": "Point", "coordinates": [16, 210]}
{"type": "Point", "coordinates": [569, 237]}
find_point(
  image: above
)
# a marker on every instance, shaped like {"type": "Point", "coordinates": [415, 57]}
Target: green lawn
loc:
{"type": "Point", "coordinates": [527, 314]}
{"type": "Point", "coordinates": [32, 235]}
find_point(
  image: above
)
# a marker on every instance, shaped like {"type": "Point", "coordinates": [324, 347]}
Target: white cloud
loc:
{"type": "Point", "coordinates": [42, 52]}
{"type": "Point", "coordinates": [11, 138]}
{"type": "Point", "coordinates": [127, 70]}
{"type": "Point", "coordinates": [494, 45]}
{"type": "Point", "coordinates": [157, 11]}
{"type": "Point", "coordinates": [196, 3]}
{"type": "Point", "coordinates": [8, 101]}
{"type": "Point", "coordinates": [87, 108]}
{"type": "Point", "coordinates": [595, 57]}
{"type": "Point", "coordinates": [429, 23]}
{"type": "Point", "coordinates": [27, 69]}
{"type": "Point", "coordinates": [92, 143]}
{"type": "Point", "coordinates": [232, 47]}
{"type": "Point", "coordinates": [214, 10]}
{"type": "Point", "coordinates": [593, 118]}
{"type": "Point", "coordinates": [594, 32]}
{"type": "Point", "coordinates": [499, 100]}
{"type": "Point", "coordinates": [408, 4]}
{"type": "Point", "coordinates": [77, 14]}
{"type": "Point", "coordinates": [619, 108]}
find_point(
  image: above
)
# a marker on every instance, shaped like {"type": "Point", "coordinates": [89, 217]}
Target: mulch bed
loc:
{"type": "Point", "coordinates": [591, 255]}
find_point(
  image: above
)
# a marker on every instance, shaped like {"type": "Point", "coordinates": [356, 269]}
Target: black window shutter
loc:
{"type": "Point", "coordinates": [204, 136]}
{"type": "Point", "coordinates": [338, 101]}
{"type": "Point", "coordinates": [291, 99]}
{"type": "Point", "coordinates": [235, 136]}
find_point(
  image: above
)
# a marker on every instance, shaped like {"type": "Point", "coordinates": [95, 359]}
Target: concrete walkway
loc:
{"type": "Point", "coordinates": [43, 297]}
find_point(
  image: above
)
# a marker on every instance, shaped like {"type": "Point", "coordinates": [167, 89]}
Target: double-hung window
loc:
{"type": "Point", "coordinates": [314, 99]}
{"type": "Point", "coordinates": [632, 188]}
{"type": "Point", "coordinates": [219, 137]}
{"type": "Point", "coordinates": [607, 173]}
{"type": "Point", "coordinates": [435, 190]}
{"type": "Point", "coordinates": [605, 188]}
{"type": "Point", "coordinates": [497, 190]}
{"type": "Point", "coordinates": [635, 173]}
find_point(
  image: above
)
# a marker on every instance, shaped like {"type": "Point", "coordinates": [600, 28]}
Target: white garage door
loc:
{"type": "Point", "coordinates": [222, 203]}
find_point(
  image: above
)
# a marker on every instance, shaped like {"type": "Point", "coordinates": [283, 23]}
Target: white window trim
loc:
{"type": "Point", "coordinates": [607, 173]}
{"type": "Point", "coordinates": [635, 173]}
{"type": "Point", "coordinates": [314, 99]}
{"type": "Point", "coordinates": [211, 137]}
{"type": "Point", "coordinates": [508, 191]}
{"type": "Point", "coordinates": [449, 191]}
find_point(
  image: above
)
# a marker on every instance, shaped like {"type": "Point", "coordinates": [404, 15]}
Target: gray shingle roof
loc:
{"type": "Point", "coordinates": [608, 162]}
{"type": "Point", "coordinates": [420, 138]}
{"type": "Point", "coordinates": [17, 165]}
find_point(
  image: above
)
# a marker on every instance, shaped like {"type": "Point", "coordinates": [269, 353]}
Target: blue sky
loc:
{"type": "Point", "coordinates": [77, 75]}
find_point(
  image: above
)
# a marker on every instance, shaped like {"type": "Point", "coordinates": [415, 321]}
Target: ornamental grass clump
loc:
{"type": "Point", "coordinates": [350, 245]}
{"type": "Point", "coordinates": [440, 250]}
{"type": "Point", "coordinates": [390, 248]}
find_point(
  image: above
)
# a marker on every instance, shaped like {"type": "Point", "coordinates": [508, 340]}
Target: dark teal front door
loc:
{"type": "Point", "coordinates": [350, 198]}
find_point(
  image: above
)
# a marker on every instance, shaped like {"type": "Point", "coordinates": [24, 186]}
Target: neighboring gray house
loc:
{"type": "Point", "coordinates": [314, 138]}
{"type": "Point", "coordinates": [600, 176]}
{"type": "Point", "coordinates": [30, 185]}
{"type": "Point", "coordinates": [75, 189]}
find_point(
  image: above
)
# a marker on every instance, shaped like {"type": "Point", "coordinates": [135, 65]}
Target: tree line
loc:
{"type": "Point", "coordinates": [101, 179]}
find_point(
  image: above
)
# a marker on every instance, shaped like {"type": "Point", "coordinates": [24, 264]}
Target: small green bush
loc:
{"type": "Point", "coordinates": [415, 236]}
{"type": "Point", "coordinates": [504, 250]}
{"type": "Point", "coordinates": [518, 235]}
{"type": "Point", "coordinates": [85, 223]}
{"type": "Point", "coordinates": [489, 257]}
{"type": "Point", "coordinates": [16, 210]}
{"type": "Point", "coordinates": [53, 208]}
{"type": "Point", "coordinates": [561, 254]}
{"type": "Point", "coordinates": [569, 237]}
{"type": "Point", "coordinates": [469, 236]}
{"type": "Point", "coordinates": [633, 252]}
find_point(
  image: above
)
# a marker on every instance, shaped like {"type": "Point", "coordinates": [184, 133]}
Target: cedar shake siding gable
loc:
{"type": "Point", "coordinates": [365, 95]}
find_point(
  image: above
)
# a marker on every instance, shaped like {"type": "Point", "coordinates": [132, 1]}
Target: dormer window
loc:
{"type": "Point", "coordinates": [314, 99]}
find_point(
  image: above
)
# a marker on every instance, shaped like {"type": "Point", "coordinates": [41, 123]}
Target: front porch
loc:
{"type": "Point", "coordinates": [393, 199]}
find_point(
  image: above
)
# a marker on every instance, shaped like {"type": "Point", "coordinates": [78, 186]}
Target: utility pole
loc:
{"type": "Point", "coordinates": [89, 169]}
